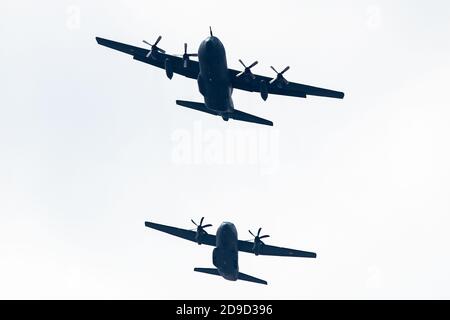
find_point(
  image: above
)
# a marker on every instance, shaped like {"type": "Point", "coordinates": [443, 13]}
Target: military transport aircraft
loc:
{"type": "Point", "coordinates": [215, 81]}
{"type": "Point", "coordinates": [227, 246]}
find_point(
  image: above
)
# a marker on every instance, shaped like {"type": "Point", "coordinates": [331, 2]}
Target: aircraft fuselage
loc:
{"type": "Point", "coordinates": [213, 80]}
{"type": "Point", "coordinates": [225, 254]}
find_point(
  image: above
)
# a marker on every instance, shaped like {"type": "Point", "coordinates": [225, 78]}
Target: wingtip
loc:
{"type": "Point", "coordinates": [102, 41]}
{"type": "Point", "coordinates": [148, 224]}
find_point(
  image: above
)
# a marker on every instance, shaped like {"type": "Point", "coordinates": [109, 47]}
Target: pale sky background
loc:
{"type": "Point", "coordinates": [86, 151]}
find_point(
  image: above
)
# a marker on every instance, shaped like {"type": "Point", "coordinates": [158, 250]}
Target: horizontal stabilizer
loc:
{"type": "Point", "coordinates": [241, 276]}
{"type": "Point", "coordinates": [242, 116]}
{"type": "Point", "coordinates": [212, 271]}
{"type": "Point", "coordinates": [196, 106]}
{"type": "Point", "coordinates": [236, 114]}
{"type": "Point", "coordinates": [246, 277]}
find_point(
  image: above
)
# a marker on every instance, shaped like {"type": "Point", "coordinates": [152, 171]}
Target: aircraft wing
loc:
{"type": "Point", "coordinates": [291, 89]}
{"type": "Point", "coordinates": [207, 239]}
{"type": "Point", "coordinates": [266, 250]}
{"type": "Point", "coordinates": [158, 59]}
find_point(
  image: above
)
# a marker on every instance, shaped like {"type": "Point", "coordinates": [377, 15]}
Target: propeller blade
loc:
{"type": "Point", "coordinates": [274, 69]}
{"type": "Point", "coordinates": [252, 234]}
{"type": "Point", "coordinates": [285, 69]}
{"type": "Point", "coordinates": [157, 41]}
{"type": "Point", "coordinates": [185, 48]}
{"type": "Point", "coordinates": [208, 225]}
{"type": "Point", "coordinates": [265, 236]}
{"type": "Point", "coordinates": [185, 63]}
{"type": "Point", "coordinates": [240, 74]}
{"type": "Point", "coordinates": [194, 222]}
{"type": "Point", "coordinates": [259, 231]}
{"type": "Point", "coordinates": [272, 81]}
{"type": "Point", "coordinates": [253, 64]}
{"type": "Point", "coordinates": [192, 54]}
{"type": "Point", "coordinates": [153, 47]}
{"type": "Point", "coordinates": [201, 221]}
{"type": "Point", "coordinates": [243, 64]}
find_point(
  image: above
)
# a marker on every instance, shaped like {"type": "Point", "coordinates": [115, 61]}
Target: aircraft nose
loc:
{"type": "Point", "coordinates": [209, 44]}
{"type": "Point", "coordinates": [226, 226]}
{"type": "Point", "coordinates": [208, 47]}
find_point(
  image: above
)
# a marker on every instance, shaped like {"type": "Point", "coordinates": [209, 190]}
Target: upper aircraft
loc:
{"type": "Point", "coordinates": [215, 80]}
{"type": "Point", "coordinates": [227, 246]}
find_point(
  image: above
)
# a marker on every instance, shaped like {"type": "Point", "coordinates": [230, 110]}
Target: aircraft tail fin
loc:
{"type": "Point", "coordinates": [242, 116]}
{"type": "Point", "coordinates": [246, 277]}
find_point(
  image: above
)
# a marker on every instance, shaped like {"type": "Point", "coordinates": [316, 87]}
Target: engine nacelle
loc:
{"type": "Point", "coordinates": [169, 68]}
{"type": "Point", "coordinates": [256, 248]}
{"type": "Point", "coordinates": [264, 90]}
{"type": "Point", "coordinates": [199, 236]}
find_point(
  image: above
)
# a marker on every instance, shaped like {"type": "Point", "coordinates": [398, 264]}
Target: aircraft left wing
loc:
{"type": "Point", "coordinates": [207, 239]}
{"type": "Point", "coordinates": [266, 250]}
{"type": "Point", "coordinates": [158, 59]}
{"type": "Point", "coordinates": [262, 83]}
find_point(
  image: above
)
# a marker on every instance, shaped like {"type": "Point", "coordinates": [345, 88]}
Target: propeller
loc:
{"type": "Point", "coordinates": [257, 241]}
{"type": "Point", "coordinates": [186, 56]}
{"type": "Point", "coordinates": [279, 78]}
{"type": "Point", "coordinates": [200, 226]}
{"type": "Point", "coordinates": [154, 47]}
{"type": "Point", "coordinates": [200, 230]}
{"type": "Point", "coordinates": [247, 70]}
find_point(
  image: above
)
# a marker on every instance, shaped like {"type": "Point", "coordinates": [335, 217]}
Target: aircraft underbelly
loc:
{"type": "Point", "coordinates": [217, 94]}
{"type": "Point", "coordinates": [225, 255]}
{"type": "Point", "coordinates": [226, 262]}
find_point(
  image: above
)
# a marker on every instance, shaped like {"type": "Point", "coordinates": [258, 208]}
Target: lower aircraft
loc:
{"type": "Point", "coordinates": [215, 80]}
{"type": "Point", "coordinates": [227, 246]}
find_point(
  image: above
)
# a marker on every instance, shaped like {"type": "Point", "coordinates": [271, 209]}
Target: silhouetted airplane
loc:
{"type": "Point", "coordinates": [227, 246]}
{"type": "Point", "coordinates": [215, 81]}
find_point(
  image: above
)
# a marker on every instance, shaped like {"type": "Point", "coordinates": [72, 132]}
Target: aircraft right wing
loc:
{"type": "Point", "coordinates": [207, 239]}
{"type": "Point", "coordinates": [266, 250]}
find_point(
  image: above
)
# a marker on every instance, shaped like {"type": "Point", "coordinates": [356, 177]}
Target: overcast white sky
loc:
{"type": "Point", "coordinates": [89, 138]}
